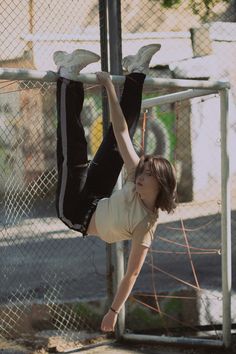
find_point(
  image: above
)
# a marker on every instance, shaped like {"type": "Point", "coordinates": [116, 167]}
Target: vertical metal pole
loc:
{"type": "Point", "coordinates": [114, 15]}
{"type": "Point", "coordinates": [225, 220]}
{"type": "Point", "coordinates": [104, 58]}
{"type": "Point", "coordinates": [119, 272]}
{"type": "Point", "coordinates": [105, 123]}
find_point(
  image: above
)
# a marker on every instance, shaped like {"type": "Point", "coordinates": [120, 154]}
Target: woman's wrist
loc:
{"type": "Point", "coordinates": [108, 84]}
{"type": "Point", "coordinates": [114, 311]}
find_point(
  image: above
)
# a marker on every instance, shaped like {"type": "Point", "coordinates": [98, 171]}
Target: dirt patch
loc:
{"type": "Point", "coordinates": [50, 341]}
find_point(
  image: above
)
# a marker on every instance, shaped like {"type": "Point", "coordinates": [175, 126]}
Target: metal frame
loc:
{"type": "Point", "coordinates": [225, 214]}
{"type": "Point", "coordinates": [196, 88]}
{"type": "Point", "coordinates": [51, 76]}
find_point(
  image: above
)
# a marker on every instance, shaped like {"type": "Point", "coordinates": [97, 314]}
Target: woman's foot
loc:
{"type": "Point", "coordinates": [70, 64]}
{"type": "Point", "coordinates": [140, 61]}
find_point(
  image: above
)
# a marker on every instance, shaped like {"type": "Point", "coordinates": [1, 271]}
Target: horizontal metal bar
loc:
{"type": "Point", "coordinates": [91, 36]}
{"type": "Point", "coordinates": [177, 96]}
{"type": "Point", "coordinates": [151, 339]}
{"type": "Point", "coordinates": [51, 76]}
{"type": "Point", "coordinates": [27, 74]}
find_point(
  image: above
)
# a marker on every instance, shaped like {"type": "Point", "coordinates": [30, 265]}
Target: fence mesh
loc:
{"type": "Point", "coordinates": [178, 295]}
{"type": "Point", "coordinates": [51, 279]}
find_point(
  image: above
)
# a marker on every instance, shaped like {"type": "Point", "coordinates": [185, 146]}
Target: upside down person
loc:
{"type": "Point", "coordinates": [85, 198]}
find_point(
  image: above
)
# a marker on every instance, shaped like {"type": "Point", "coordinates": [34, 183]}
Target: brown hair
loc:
{"type": "Point", "coordinates": [164, 172]}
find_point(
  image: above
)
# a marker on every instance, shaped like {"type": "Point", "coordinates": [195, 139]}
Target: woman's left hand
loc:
{"type": "Point", "coordinates": [103, 78]}
{"type": "Point", "coordinates": [109, 322]}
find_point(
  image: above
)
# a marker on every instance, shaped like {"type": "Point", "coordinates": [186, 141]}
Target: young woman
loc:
{"type": "Point", "coordinates": [85, 198]}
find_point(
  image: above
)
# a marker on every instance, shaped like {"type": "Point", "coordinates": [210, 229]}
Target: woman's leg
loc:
{"type": "Point", "coordinates": [71, 154]}
{"type": "Point", "coordinates": [107, 163]}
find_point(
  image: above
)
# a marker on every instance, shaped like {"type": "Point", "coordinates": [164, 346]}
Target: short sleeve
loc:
{"type": "Point", "coordinates": [144, 239]}
{"type": "Point", "coordinates": [144, 233]}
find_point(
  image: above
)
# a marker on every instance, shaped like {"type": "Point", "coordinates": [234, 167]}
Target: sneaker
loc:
{"type": "Point", "coordinates": [140, 61]}
{"type": "Point", "coordinates": [69, 65]}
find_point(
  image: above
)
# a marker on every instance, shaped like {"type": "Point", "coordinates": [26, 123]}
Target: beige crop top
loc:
{"type": "Point", "coordinates": [123, 216]}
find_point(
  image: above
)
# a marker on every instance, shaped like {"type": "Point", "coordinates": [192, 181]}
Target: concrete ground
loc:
{"type": "Point", "coordinates": [107, 347]}
{"type": "Point", "coordinates": [112, 347]}
{"type": "Point", "coordinates": [127, 348]}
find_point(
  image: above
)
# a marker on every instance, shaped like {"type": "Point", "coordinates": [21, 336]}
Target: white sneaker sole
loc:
{"type": "Point", "coordinates": [79, 57]}
{"type": "Point", "coordinates": [140, 61]}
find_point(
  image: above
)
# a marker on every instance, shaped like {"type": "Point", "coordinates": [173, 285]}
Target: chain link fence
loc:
{"type": "Point", "coordinates": [183, 272]}
{"type": "Point", "coordinates": [53, 281]}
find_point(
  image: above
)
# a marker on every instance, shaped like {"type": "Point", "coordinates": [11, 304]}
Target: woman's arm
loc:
{"type": "Point", "coordinates": [136, 259]}
{"type": "Point", "coordinates": [119, 124]}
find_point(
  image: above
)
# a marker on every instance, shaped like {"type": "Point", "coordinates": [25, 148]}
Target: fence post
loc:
{"type": "Point", "coordinates": [114, 15]}
{"type": "Point", "coordinates": [225, 219]}
{"type": "Point", "coordinates": [104, 57]}
{"type": "Point", "coordinates": [105, 124]}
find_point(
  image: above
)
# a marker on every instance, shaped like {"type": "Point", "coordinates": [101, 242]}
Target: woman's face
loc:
{"type": "Point", "coordinates": [146, 183]}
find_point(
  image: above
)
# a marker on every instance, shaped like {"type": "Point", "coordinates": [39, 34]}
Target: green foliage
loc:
{"type": "Point", "coordinates": [142, 318]}
{"type": "Point", "coordinates": [170, 3]}
{"type": "Point", "coordinates": [85, 311]}
{"type": "Point", "coordinates": [201, 8]}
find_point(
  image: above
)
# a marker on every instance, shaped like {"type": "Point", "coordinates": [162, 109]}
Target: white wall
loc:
{"type": "Point", "coordinates": [206, 144]}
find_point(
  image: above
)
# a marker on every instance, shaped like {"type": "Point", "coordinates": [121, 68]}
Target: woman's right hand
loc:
{"type": "Point", "coordinates": [109, 322]}
{"type": "Point", "coordinates": [103, 78]}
